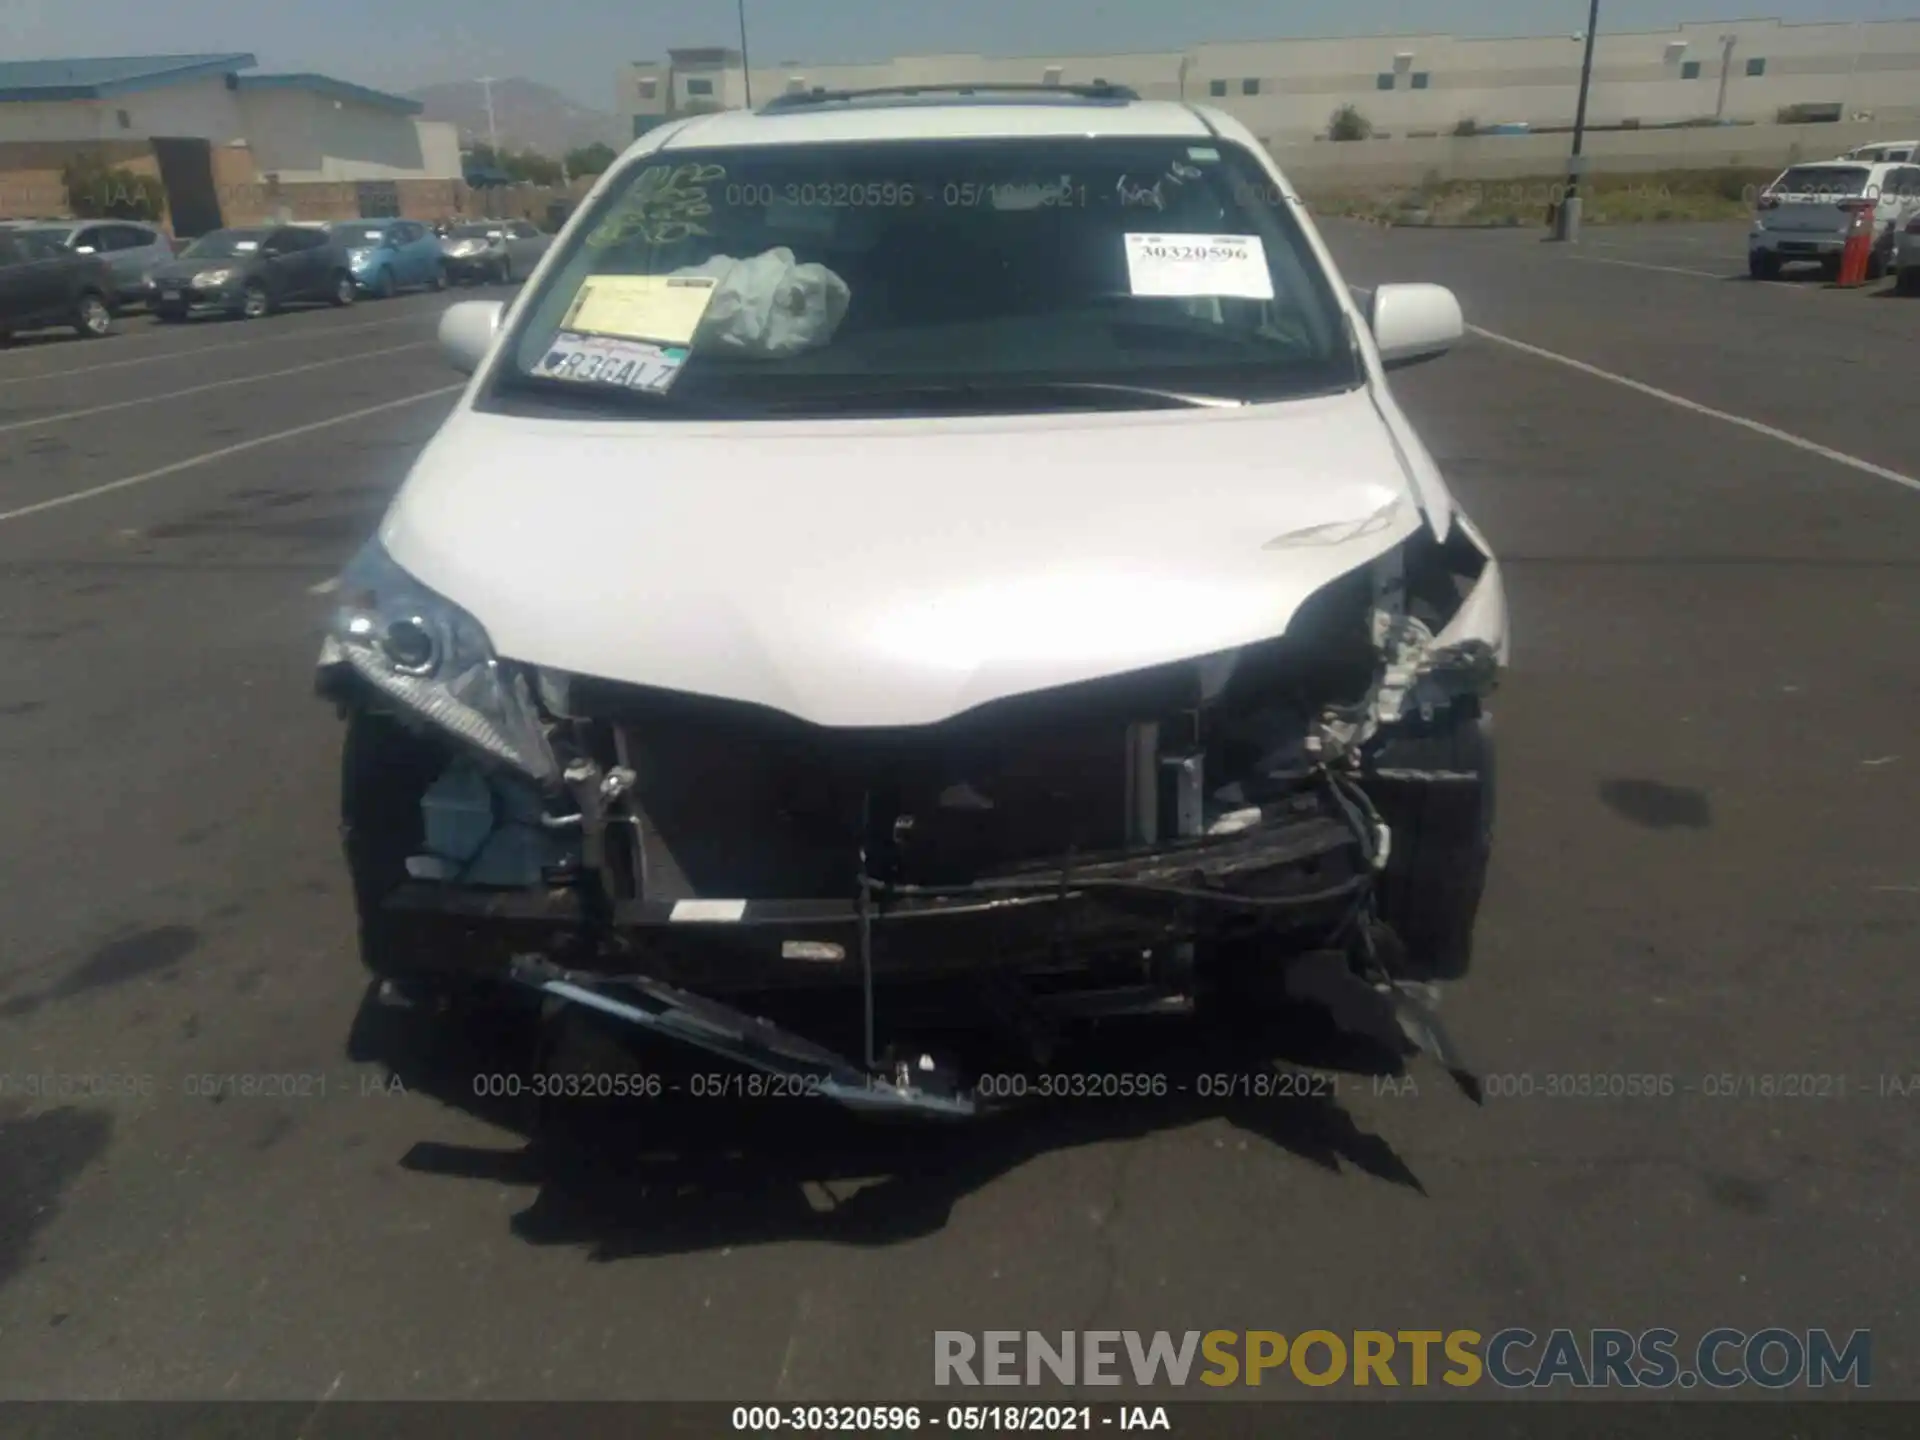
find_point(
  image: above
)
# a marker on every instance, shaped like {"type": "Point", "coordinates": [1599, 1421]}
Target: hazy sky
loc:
{"type": "Point", "coordinates": [578, 44]}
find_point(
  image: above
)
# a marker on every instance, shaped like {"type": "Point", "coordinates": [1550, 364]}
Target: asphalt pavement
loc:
{"type": "Point", "coordinates": [1706, 496]}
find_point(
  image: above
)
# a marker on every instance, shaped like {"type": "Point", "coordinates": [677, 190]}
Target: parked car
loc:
{"type": "Point", "coordinates": [43, 284]}
{"type": "Point", "coordinates": [1893, 152]}
{"type": "Point", "coordinates": [497, 250]}
{"type": "Point", "coordinates": [1089, 633]}
{"type": "Point", "coordinates": [1807, 213]}
{"type": "Point", "coordinates": [131, 249]}
{"type": "Point", "coordinates": [253, 272]}
{"type": "Point", "coordinates": [388, 256]}
{"type": "Point", "coordinates": [1906, 257]}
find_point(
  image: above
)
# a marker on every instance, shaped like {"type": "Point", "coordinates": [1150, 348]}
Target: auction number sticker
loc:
{"type": "Point", "coordinates": [606, 360]}
{"type": "Point", "coordinates": [1185, 266]}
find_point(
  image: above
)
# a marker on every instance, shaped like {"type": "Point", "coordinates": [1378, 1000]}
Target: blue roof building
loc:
{"type": "Point", "coordinates": [299, 126]}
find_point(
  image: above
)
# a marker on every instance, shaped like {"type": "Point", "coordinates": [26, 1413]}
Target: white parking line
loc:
{"type": "Point", "coordinates": [212, 455]}
{"type": "Point", "coordinates": [66, 415]}
{"type": "Point", "coordinates": [1785, 437]}
{"type": "Point", "coordinates": [1643, 265]}
{"type": "Point", "coordinates": [194, 351]}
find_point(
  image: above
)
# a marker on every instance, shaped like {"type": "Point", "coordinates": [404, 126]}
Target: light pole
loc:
{"type": "Point", "coordinates": [746, 65]}
{"type": "Point", "coordinates": [493, 135]}
{"type": "Point", "coordinates": [1727, 42]}
{"type": "Point", "coordinates": [1568, 216]}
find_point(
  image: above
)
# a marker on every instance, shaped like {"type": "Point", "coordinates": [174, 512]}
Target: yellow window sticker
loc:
{"type": "Point", "coordinates": [665, 309]}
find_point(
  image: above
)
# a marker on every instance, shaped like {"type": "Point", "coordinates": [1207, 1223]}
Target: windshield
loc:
{"type": "Point", "coordinates": [476, 232]}
{"type": "Point", "coordinates": [224, 245]}
{"type": "Point", "coordinates": [360, 234]}
{"type": "Point", "coordinates": [823, 277]}
{"type": "Point", "coordinates": [1838, 180]}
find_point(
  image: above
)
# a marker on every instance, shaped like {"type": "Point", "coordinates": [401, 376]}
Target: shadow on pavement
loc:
{"type": "Point", "coordinates": [41, 1155]}
{"type": "Point", "coordinates": [675, 1174]}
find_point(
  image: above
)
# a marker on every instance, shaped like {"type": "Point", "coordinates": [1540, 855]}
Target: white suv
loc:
{"type": "Point", "coordinates": [949, 554]}
{"type": "Point", "coordinates": [1807, 213]}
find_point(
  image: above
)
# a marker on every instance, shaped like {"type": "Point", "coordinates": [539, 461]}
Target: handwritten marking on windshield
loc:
{"type": "Point", "coordinates": [665, 204]}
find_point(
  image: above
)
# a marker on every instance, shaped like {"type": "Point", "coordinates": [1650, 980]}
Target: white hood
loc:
{"type": "Point", "coordinates": [880, 573]}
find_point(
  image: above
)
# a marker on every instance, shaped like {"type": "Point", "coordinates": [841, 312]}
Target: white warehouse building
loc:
{"type": "Point", "coordinates": [1407, 86]}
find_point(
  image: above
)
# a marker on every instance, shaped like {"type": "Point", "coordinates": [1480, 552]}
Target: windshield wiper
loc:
{"type": "Point", "coordinates": [1019, 394]}
{"type": "Point", "coordinates": [1148, 392]}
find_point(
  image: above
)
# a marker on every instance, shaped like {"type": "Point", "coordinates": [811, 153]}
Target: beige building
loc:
{"type": "Point", "coordinates": [226, 143]}
{"type": "Point", "coordinates": [1409, 86]}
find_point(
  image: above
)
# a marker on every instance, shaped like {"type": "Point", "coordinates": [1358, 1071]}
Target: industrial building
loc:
{"type": "Point", "coordinates": [231, 146]}
{"type": "Point", "coordinates": [1407, 86]}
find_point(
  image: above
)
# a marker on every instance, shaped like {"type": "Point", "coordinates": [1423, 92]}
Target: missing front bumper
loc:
{"type": "Point", "coordinates": [1297, 875]}
{"type": "Point", "coordinates": [1065, 942]}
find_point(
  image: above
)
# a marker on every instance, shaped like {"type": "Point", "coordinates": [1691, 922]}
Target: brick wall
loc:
{"type": "Point", "coordinates": [25, 193]}
{"type": "Point", "coordinates": [30, 181]}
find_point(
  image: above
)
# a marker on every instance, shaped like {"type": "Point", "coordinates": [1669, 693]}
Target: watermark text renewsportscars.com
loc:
{"type": "Point", "coordinates": [1515, 1358]}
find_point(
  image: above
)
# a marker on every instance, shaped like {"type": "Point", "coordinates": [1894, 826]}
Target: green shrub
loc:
{"type": "Point", "coordinates": [1347, 123]}
{"type": "Point", "coordinates": [99, 191]}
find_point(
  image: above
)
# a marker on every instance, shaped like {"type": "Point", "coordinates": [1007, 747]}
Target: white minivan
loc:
{"type": "Point", "coordinates": [920, 568]}
{"type": "Point", "coordinates": [1806, 214]}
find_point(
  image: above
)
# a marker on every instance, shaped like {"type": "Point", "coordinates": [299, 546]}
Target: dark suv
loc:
{"type": "Point", "coordinates": [252, 272]}
{"type": "Point", "coordinates": [43, 284]}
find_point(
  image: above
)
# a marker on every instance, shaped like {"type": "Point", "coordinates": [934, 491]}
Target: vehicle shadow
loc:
{"type": "Point", "coordinates": [672, 1174]}
{"type": "Point", "coordinates": [40, 339]}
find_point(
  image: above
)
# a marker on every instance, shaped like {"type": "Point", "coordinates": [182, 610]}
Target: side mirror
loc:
{"type": "Point", "coordinates": [1412, 323]}
{"type": "Point", "coordinates": [467, 331]}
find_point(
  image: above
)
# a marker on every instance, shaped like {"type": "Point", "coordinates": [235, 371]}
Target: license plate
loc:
{"type": "Point", "coordinates": [169, 294]}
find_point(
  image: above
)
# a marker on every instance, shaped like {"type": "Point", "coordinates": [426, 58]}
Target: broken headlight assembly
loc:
{"type": "Point", "coordinates": [434, 661]}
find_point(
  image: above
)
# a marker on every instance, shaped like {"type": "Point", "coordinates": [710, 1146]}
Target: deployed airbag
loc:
{"type": "Point", "coordinates": [769, 307]}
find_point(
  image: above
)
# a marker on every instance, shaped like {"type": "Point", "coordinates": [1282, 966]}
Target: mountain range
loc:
{"type": "Point", "coordinates": [526, 115]}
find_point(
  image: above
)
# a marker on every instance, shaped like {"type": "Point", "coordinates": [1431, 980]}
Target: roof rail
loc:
{"type": "Point", "coordinates": [800, 99]}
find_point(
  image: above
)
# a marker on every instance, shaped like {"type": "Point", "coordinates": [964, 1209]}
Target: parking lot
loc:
{"type": "Point", "coordinates": [1706, 496]}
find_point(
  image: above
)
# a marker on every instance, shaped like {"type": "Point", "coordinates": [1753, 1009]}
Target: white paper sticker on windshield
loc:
{"type": "Point", "coordinates": [607, 360]}
{"type": "Point", "coordinates": [665, 309]}
{"type": "Point", "coordinates": [1183, 266]}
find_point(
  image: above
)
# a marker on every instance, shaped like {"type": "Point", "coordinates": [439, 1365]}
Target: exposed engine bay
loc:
{"type": "Point", "coordinates": [1106, 848]}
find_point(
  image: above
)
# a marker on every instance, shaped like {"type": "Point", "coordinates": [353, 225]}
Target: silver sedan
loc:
{"type": "Point", "coordinates": [498, 250]}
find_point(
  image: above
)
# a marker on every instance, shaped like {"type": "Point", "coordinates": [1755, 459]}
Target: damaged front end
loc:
{"type": "Point", "coordinates": [1285, 820]}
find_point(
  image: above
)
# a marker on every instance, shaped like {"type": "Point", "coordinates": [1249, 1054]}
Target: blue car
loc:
{"type": "Point", "coordinates": [390, 255]}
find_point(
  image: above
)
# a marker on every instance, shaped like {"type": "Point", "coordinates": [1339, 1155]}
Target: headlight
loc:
{"type": "Point", "coordinates": [206, 279]}
{"type": "Point", "coordinates": [359, 257]}
{"type": "Point", "coordinates": [422, 650]}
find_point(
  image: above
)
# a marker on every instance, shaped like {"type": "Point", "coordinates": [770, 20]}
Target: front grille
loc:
{"type": "Point", "coordinates": [745, 801]}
